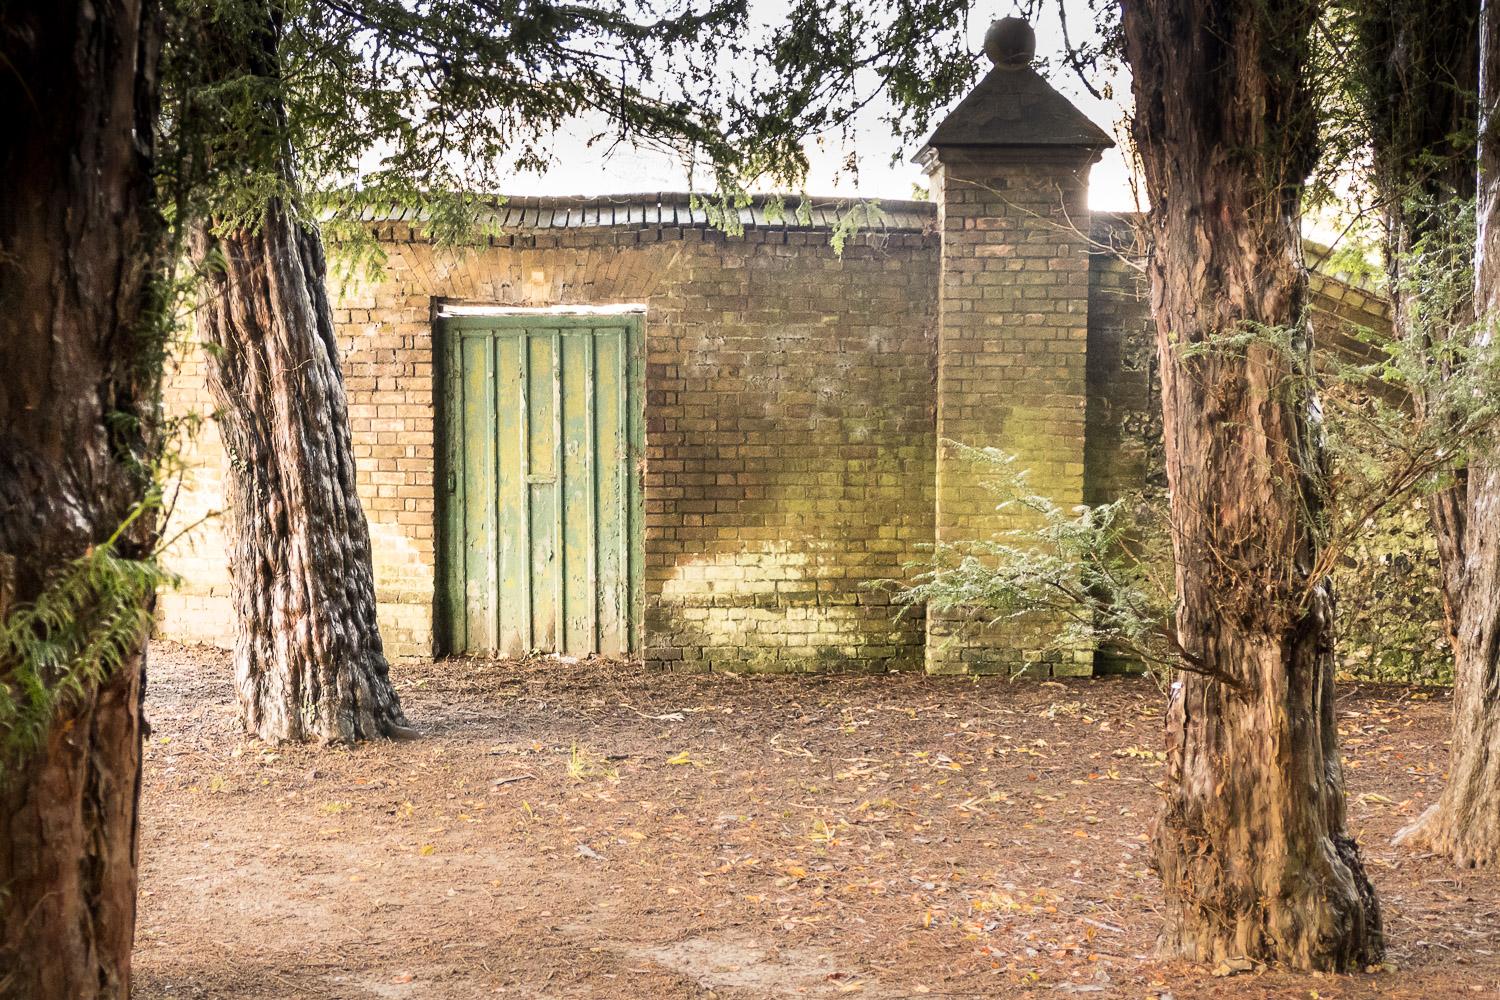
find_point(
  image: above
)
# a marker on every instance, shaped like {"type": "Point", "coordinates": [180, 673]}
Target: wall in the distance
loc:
{"type": "Point", "coordinates": [789, 434]}
{"type": "Point", "coordinates": [791, 417]}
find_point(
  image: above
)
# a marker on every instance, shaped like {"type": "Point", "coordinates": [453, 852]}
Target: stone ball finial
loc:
{"type": "Point", "coordinates": [1010, 43]}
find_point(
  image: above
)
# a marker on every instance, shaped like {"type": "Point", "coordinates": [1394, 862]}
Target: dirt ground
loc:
{"type": "Point", "coordinates": [589, 830]}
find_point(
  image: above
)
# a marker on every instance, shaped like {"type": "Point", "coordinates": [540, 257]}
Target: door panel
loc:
{"type": "Point", "coordinates": [540, 498]}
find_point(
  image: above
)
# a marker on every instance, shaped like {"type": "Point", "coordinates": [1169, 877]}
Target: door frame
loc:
{"type": "Point", "coordinates": [449, 319]}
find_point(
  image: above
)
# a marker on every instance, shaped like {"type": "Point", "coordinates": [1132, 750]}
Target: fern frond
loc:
{"type": "Point", "coordinates": [72, 638]}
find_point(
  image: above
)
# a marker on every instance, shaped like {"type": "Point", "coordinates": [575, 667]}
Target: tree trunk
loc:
{"type": "Point", "coordinates": [309, 662]}
{"type": "Point", "coordinates": [1418, 75]}
{"type": "Point", "coordinates": [1251, 841]}
{"type": "Point", "coordinates": [78, 244]}
{"type": "Point", "coordinates": [308, 657]}
{"type": "Point", "coordinates": [1464, 824]}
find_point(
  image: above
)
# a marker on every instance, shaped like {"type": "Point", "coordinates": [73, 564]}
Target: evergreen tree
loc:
{"type": "Point", "coordinates": [1255, 857]}
{"type": "Point", "coordinates": [80, 361]}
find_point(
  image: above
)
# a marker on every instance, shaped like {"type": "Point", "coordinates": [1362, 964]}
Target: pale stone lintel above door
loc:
{"type": "Point", "coordinates": [453, 310]}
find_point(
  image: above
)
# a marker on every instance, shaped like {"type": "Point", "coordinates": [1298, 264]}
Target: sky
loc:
{"type": "Point", "coordinates": [580, 169]}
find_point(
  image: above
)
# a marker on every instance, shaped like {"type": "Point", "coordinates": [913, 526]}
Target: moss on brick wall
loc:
{"type": "Point", "coordinates": [789, 451]}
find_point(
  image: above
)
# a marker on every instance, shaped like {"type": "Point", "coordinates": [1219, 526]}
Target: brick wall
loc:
{"type": "Point", "coordinates": [199, 610]}
{"type": "Point", "coordinates": [789, 437]}
{"type": "Point", "coordinates": [1123, 450]}
{"type": "Point", "coordinates": [789, 452]}
{"type": "Point", "coordinates": [794, 403]}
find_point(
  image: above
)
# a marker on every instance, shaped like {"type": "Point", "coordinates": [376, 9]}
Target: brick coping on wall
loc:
{"type": "Point", "coordinates": [680, 209]}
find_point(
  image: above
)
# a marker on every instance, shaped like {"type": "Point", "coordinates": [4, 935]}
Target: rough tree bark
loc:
{"type": "Point", "coordinates": [1251, 841]}
{"type": "Point", "coordinates": [1464, 824]}
{"type": "Point", "coordinates": [308, 658]}
{"type": "Point", "coordinates": [309, 662]}
{"type": "Point", "coordinates": [78, 241]}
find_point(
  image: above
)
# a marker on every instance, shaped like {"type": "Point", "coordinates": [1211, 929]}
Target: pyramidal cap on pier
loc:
{"type": "Point", "coordinates": [1013, 106]}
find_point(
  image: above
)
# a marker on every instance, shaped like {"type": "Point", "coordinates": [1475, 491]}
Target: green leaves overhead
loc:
{"type": "Point", "coordinates": [406, 102]}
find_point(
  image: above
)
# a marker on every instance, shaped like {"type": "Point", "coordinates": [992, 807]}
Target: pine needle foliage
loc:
{"type": "Point", "coordinates": [428, 105]}
{"type": "Point", "coordinates": [1103, 572]}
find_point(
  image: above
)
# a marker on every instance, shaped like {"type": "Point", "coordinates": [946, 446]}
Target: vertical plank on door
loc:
{"type": "Point", "coordinates": [478, 552]}
{"type": "Point", "coordinates": [610, 444]}
{"type": "Point", "coordinates": [510, 523]}
{"type": "Point", "coordinates": [541, 475]}
{"type": "Point", "coordinates": [576, 516]}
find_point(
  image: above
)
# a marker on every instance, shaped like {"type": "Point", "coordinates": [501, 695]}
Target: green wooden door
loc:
{"type": "Point", "coordinates": [540, 501]}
